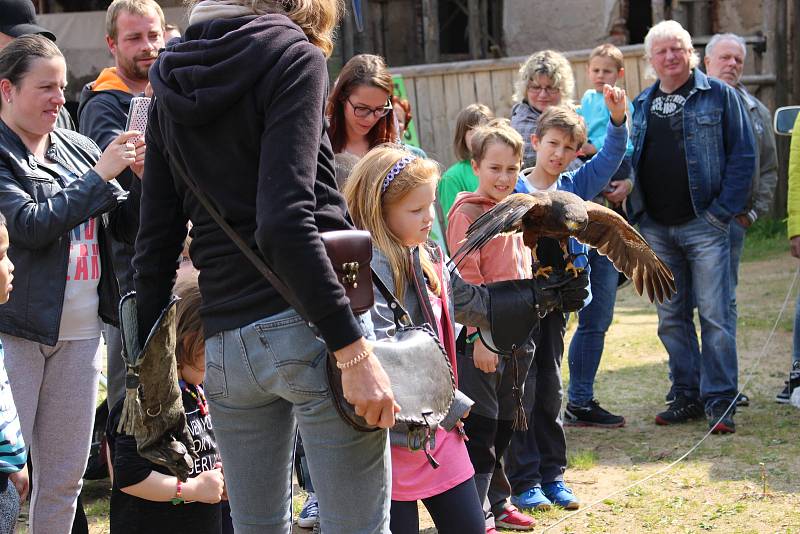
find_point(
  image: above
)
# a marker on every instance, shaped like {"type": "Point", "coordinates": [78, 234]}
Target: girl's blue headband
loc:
{"type": "Point", "coordinates": [396, 169]}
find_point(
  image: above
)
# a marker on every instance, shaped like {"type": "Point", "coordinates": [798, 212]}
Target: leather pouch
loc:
{"type": "Point", "coordinates": [350, 252]}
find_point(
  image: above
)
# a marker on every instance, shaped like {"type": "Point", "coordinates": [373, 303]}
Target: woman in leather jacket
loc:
{"type": "Point", "coordinates": [54, 186]}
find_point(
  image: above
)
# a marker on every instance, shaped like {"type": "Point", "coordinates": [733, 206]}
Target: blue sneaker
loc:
{"type": "Point", "coordinates": [309, 515]}
{"type": "Point", "coordinates": [561, 495]}
{"type": "Point", "coordinates": [533, 499]}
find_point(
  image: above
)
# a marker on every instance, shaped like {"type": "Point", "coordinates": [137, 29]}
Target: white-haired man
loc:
{"type": "Point", "coordinates": [725, 55]}
{"type": "Point", "coordinates": [693, 160]}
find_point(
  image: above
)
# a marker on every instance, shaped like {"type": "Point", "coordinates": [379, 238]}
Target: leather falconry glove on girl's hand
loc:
{"type": "Point", "coordinates": [561, 291]}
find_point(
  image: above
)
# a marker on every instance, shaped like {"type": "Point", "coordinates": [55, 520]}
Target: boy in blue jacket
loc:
{"type": "Point", "coordinates": [537, 458]}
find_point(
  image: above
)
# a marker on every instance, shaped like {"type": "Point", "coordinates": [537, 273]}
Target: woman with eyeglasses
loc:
{"type": "Point", "coordinates": [361, 117]}
{"type": "Point", "coordinates": [544, 80]}
{"type": "Point", "coordinates": [360, 106]}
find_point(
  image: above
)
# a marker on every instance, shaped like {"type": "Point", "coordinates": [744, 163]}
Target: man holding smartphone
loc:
{"type": "Point", "coordinates": [134, 34]}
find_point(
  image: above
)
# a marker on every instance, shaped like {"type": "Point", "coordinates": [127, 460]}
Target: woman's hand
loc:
{"type": "Point", "coordinates": [138, 164]}
{"type": "Point", "coordinates": [207, 487]}
{"type": "Point", "coordinates": [484, 359]}
{"type": "Point", "coordinates": [367, 387]}
{"type": "Point", "coordinates": [616, 103]}
{"type": "Point", "coordinates": [794, 246]}
{"type": "Point", "coordinates": [120, 153]}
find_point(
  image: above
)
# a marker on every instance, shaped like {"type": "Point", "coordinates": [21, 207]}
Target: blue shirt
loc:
{"type": "Point", "coordinates": [594, 111]}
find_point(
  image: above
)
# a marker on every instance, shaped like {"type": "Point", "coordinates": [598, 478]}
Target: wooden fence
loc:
{"type": "Point", "coordinates": [438, 92]}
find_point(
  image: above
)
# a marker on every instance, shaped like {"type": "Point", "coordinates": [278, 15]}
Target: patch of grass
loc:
{"type": "Point", "coordinates": [582, 459]}
{"type": "Point", "coordinates": [720, 487]}
{"type": "Point", "coordinates": [766, 238]}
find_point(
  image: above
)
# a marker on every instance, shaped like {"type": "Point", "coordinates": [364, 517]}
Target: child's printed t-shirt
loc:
{"type": "Point", "coordinates": [131, 514]}
{"type": "Point", "coordinates": [79, 315]}
{"type": "Point", "coordinates": [13, 454]}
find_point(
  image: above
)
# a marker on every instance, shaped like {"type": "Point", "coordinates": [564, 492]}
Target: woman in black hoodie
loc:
{"type": "Point", "coordinates": [239, 105]}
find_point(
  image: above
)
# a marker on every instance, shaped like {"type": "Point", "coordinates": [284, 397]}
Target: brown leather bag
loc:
{"type": "Point", "coordinates": [350, 252]}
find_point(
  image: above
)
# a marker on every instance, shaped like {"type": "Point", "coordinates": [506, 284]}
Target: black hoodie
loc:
{"type": "Point", "coordinates": [240, 103]}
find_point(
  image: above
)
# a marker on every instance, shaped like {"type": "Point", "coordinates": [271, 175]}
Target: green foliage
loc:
{"type": "Point", "coordinates": [766, 238]}
{"type": "Point", "coordinates": [582, 459]}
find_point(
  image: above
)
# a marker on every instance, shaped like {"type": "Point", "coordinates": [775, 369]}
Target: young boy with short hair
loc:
{"type": "Point", "coordinates": [606, 66]}
{"type": "Point", "coordinates": [13, 452]}
{"type": "Point", "coordinates": [537, 458]}
{"type": "Point", "coordinates": [488, 380]}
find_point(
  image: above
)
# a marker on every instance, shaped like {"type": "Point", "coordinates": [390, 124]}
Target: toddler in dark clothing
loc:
{"type": "Point", "coordinates": [146, 497]}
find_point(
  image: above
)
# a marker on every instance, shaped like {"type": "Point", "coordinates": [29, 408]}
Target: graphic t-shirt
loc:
{"type": "Point", "coordinates": [79, 315]}
{"type": "Point", "coordinates": [663, 174]}
{"type": "Point", "coordinates": [131, 514]}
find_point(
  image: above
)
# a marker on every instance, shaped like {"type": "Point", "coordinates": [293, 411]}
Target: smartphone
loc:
{"type": "Point", "coordinates": [137, 116]}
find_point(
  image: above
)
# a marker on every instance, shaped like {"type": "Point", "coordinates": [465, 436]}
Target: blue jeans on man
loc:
{"type": "Point", "coordinates": [265, 380]}
{"type": "Point", "coordinates": [587, 344]}
{"type": "Point", "coordinates": [736, 234]}
{"type": "Point", "coordinates": [698, 254]}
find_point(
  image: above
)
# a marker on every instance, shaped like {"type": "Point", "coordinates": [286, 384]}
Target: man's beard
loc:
{"type": "Point", "coordinates": [134, 70]}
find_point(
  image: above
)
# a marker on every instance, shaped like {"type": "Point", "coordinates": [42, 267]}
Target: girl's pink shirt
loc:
{"type": "Point", "coordinates": [413, 478]}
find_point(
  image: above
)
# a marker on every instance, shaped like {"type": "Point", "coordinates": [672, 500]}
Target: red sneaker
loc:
{"type": "Point", "coordinates": [513, 519]}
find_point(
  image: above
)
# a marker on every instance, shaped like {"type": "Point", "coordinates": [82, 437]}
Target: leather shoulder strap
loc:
{"type": "Point", "coordinates": [401, 316]}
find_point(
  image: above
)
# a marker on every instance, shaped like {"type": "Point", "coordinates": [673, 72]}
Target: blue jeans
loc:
{"type": "Point", "coordinates": [698, 254]}
{"type": "Point", "coordinates": [264, 380]}
{"type": "Point", "coordinates": [736, 234]}
{"type": "Point", "coordinates": [587, 344]}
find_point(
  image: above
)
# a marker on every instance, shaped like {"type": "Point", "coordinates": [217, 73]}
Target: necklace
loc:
{"type": "Point", "coordinates": [199, 397]}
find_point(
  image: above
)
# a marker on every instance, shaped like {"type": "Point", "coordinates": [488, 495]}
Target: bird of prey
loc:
{"type": "Point", "coordinates": [561, 215]}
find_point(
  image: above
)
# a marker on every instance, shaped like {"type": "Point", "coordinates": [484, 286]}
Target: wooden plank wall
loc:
{"type": "Point", "coordinates": [438, 92]}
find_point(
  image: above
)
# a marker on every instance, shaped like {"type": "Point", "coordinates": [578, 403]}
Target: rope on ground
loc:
{"type": "Point", "coordinates": [666, 468]}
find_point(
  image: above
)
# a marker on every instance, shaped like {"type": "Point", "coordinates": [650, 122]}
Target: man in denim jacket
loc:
{"type": "Point", "coordinates": [694, 158]}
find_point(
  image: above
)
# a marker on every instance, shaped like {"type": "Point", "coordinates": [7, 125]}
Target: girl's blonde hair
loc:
{"type": "Point", "coordinates": [546, 63]}
{"type": "Point", "coordinates": [317, 18]}
{"type": "Point", "coordinates": [367, 204]}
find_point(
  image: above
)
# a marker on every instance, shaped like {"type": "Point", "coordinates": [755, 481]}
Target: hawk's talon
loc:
{"type": "Point", "coordinates": [543, 272]}
{"type": "Point", "coordinates": [572, 269]}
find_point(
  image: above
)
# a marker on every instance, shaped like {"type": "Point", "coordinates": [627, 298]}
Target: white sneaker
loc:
{"type": "Point", "coordinates": [309, 515]}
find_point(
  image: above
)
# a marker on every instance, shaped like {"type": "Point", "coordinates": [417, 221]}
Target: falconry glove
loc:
{"type": "Point", "coordinates": [153, 407]}
{"type": "Point", "coordinates": [561, 291]}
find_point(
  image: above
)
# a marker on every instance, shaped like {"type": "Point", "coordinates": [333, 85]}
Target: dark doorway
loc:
{"type": "Point", "coordinates": [640, 19]}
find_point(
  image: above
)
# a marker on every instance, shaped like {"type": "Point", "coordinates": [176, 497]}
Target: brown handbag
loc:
{"type": "Point", "coordinates": [350, 252]}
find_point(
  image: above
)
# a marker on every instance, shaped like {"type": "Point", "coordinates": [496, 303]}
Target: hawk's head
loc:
{"type": "Point", "coordinates": [574, 216]}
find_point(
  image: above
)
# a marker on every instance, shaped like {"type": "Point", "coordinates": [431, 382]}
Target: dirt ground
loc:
{"type": "Point", "coordinates": [744, 483]}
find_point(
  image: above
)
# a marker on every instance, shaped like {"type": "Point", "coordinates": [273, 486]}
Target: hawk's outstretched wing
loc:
{"type": "Point", "coordinates": [614, 238]}
{"type": "Point", "coordinates": [504, 218]}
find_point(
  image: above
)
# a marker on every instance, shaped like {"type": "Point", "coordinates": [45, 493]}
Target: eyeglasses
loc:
{"type": "Point", "coordinates": [549, 91]}
{"type": "Point", "coordinates": [362, 112]}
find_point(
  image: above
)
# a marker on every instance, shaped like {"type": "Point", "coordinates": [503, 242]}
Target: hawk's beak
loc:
{"type": "Point", "coordinates": [572, 225]}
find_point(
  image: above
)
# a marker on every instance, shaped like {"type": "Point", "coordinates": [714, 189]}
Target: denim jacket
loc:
{"type": "Point", "coordinates": [720, 150]}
